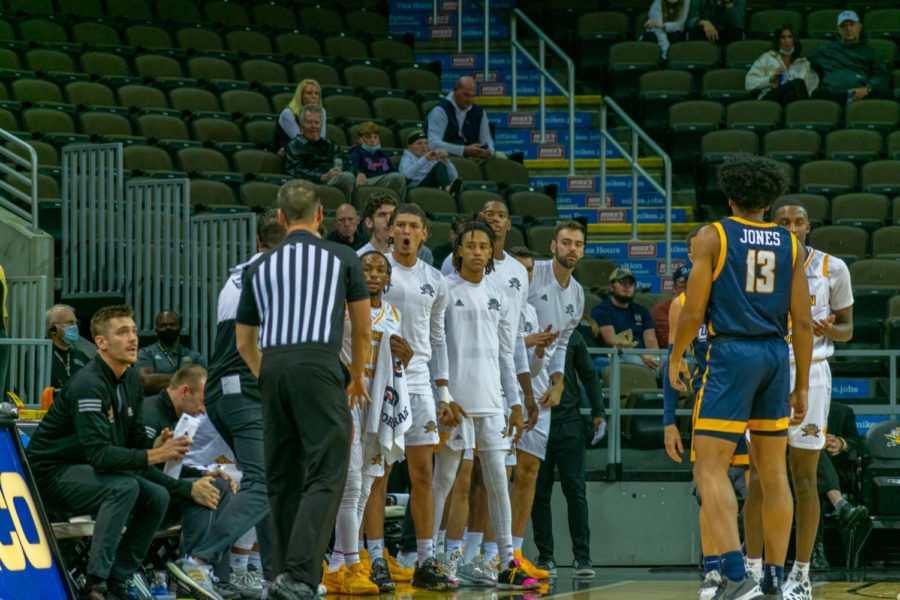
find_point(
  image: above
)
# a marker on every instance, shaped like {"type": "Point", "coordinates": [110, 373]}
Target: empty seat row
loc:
{"type": "Point", "coordinates": [866, 210]}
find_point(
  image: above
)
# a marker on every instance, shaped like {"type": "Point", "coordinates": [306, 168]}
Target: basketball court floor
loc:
{"type": "Point", "coordinates": [659, 584]}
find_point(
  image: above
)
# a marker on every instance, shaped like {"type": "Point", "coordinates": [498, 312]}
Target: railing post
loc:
{"type": "Point", "coordinates": [459, 25]}
{"type": "Point", "coordinates": [615, 423]}
{"type": "Point", "coordinates": [634, 184]}
{"type": "Point", "coordinates": [571, 82]}
{"type": "Point", "coordinates": [542, 97]}
{"type": "Point", "coordinates": [892, 384]}
{"type": "Point", "coordinates": [667, 166]}
{"type": "Point", "coordinates": [487, 38]}
{"type": "Point", "coordinates": [515, 59]}
{"type": "Point", "coordinates": [434, 12]}
{"type": "Point", "coordinates": [602, 151]}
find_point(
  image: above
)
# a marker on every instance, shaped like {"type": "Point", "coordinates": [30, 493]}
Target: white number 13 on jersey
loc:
{"type": "Point", "coordinates": [765, 260]}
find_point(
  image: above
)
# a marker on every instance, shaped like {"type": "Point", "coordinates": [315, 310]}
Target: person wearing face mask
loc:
{"type": "Point", "coordinates": [782, 74]}
{"type": "Point", "coordinates": [371, 165]}
{"type": "Point", "coordinates": [429, 168]}
{"type": "Point", "coordinates": [62, 330]}
{"type": "Point", "coordinates": [157, 362]}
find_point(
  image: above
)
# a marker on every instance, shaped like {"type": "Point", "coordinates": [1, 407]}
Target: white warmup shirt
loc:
{"type": "Point", "coordinates": [557, 306]}
{"type": "Point", "coordinates": [512, 277]}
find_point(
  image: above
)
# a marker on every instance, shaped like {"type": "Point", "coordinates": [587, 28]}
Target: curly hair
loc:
{"type": "Point", "coordinates": [751, 182]}
{"type": "Point", "coordinates": [470, 227]}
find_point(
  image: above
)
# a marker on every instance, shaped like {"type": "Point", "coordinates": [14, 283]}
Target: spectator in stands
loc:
{"type": "Point", "coordinates": [459, 127]}
{"type": "Point", "coordinates": [371, 165]}
{"type": "Point", "coordinates": [665, 23]}
{"type": "Point", "coordinates": [443, 254]}
{"type": "Point", "coordinates": [308, 92]}
{"type": "Point", "coordinates": [623, 323]}
{"type": "Point", "coordinates": [718, 21]}
{"type": "Point", "coordinates": [850, 69]}
{"type": "Point", "coordinates": [347, 230]}
{"type": "Point", "coordinates": [313, 157]}
{"type": "Point", "coordinates": [91, 455]}
{"type": "Point", "coordinates": [62, 330]}
{"type": "Point", "coordinates": [660, 312]}
{"type": "Point", "coordinates": [836, 472]}
{"type": "Point", "coordinates": [158, 362]}
{"type": "Point", "coordinates": [782, 74]}
{"type": "Point", "coordinates": [428, 168]}
{"type": "Point", "coordinates": [4, 324]}
{"type": "Point", "coordinates": [379, 208]}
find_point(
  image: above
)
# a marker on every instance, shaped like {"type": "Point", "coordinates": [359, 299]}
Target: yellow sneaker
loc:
{"type": "Point", "coordinates": [357, 582]}
{"type": "Point", "coordinates": [333, 580]}
{"type": "Point", "coordinates": [398, 573]}
{"type": "Point", "coordinates": [529, 568]}
{"type": "Point", "coordinates": [364, 559]}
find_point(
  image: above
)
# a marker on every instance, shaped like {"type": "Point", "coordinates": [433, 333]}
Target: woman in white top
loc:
{"type": "Point", "coordinates": [782, 74]}
{"type": "Point", "coordinates": [308, 92]}
{"type": "Point", "coordinates": [665, 21]}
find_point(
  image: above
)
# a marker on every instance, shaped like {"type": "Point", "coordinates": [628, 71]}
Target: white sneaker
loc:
{"type": "Point", "coordinates": [249, 585]}
{"type": "Point", "coordinates": [407, 560]}
{"type": "Point", "coordinates": [452, 565]}
{"type": "Point", "coordinates": [797, 587]}
{"type": "Point", "coordinates": [476, 573]}
{"type": "Point", "coordinates": [710, 586]}
{"type": "Point", "coordinates": [195, 577]}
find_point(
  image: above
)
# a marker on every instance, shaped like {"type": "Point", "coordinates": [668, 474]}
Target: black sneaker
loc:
{"type": "Point", "coordinates": [851, 515]}
{"type": "Point", "coordinates": [125, 590]}
{"type": "Point", "coordinates": [429, 577]}
{"type": "Point", "coordinates": [819, 561]}
{"type": "Point", "coordinates": [286, 587]}
{"type": "Point", "coordinates": [515, 578]}
{"type": "Point", "coordinates": [546, 563]}
{"type": "Point", "coordinates": [96, 591]}
{"type": "Point", "coordinates": [381, 575]}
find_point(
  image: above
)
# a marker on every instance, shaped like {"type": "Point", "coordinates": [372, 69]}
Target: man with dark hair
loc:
{"type": "Point", "coordinates": [378, 215]}
{"type": "Point", "coordinates": [289, 326]}
{"type": "Point", "coordinates": [312, 157]}
{"type": "Point", "coordinates": [717, 21]}
{"type": "Point", "coordinates": [459, 127]}
{"type": "Point", "coordinates": [90, 454]}
{"type": "Point", "coordinates": [849, 68]}
{"type": "Point", "coordinates": [659, 314]}
{"type": "Point", "coordinates": [62, 329]}
{"type": "Point", "coordinates": [747, 279]}
{"type": "Point", "coordinates": [347, 229]}
{"type": "Point", "coordinates": [157, 362]}
{"type": "Point", "coordinates": [232, 400]}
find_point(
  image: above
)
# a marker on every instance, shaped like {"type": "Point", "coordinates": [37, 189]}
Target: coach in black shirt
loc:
{"type": "Point", "coordinates": [289, 326]}
{"type": "Point", "coordinates": [90, 454]}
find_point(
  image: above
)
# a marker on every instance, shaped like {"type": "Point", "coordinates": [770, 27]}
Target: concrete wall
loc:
{"type": "Point", "coordinates": [632, 524]}
{"type": "Point", "coordinates": [24, 252]}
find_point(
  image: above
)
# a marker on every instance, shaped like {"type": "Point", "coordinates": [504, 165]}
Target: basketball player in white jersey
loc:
{"type": "Point", "coordinates": [419, 293]}
{"type": "Point", "coordinates": [480, 347]}
{"type": "Point", "coordinates": [558, 301]}
{"type": "Point", "coordinates": [832, 312]}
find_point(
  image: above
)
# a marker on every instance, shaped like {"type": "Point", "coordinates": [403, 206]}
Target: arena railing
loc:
{"type": "Point", "coordinates": [615, 411]}
{"type": "Point", "coordinates": [638, 135]}
{"type": "Point", "coordinates": [29, 177]}
{"type": "Point", "coordinates": [30, 356]}
{"type": "Point", "coordinates": [544, 42]}
{"type": "Point", "coordinates": [219, 242]}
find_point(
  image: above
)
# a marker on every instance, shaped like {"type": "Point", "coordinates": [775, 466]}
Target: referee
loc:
{"type": "Point", "coordinates": [289, 326]}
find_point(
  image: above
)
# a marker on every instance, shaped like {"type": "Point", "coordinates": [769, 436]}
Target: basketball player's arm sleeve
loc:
{"type": "Point", "coordinates": [439, 363]}
{"type": "Point", "coordinates": [508, 371]}
{"type": "Point", "coordinates": [520, 353]}
{"type": "Point", "coordinates": [801, 319]}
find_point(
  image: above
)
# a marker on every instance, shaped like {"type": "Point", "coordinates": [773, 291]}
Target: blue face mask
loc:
{"type": "Point", "coordinates": [788, 52]}
{"type": "Point", "coordinates": [370, 148]}
{"type": "Point", "coordinates": [70, 334]}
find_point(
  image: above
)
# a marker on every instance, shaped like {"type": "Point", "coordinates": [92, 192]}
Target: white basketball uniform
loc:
{"type": "Point", "coordinates": [420, 294]}
{"type": "Point", "coordinates": [829, 291]}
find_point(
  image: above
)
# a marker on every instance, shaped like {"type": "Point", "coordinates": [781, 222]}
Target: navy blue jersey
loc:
{"type": "Point", "coordinates": [751, 287]}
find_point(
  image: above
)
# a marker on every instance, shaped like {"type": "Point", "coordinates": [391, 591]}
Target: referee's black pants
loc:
{"type": "Point", "coordinates": [306, 428]}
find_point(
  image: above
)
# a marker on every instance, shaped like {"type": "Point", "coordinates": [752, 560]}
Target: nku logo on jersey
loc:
{"type": "Point", "coordinates": [493, 304]}
{"type": "Point", "coordinates": [893, 437]}
{"type": "Point", "coordinates": [514, 283]}
{"type": "Point", "coordinates": [811, 429]}
{"type": "Point", "coordinates": [570, 310]}
{"type": "Point", "coordinates": [427, 289]}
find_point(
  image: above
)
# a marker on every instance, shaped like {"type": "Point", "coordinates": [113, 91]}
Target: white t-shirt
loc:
{"type": "Point", "coordinates": [557, 306]}
{"type": "Point", "coordinates": [420, 294]}
{"type": "Point", "coordinates": [480, 340]}
{"type": "Point", "coordinates": [447, 265]}
{"type": "Point", "coordinates": [512, 277]}
{"type": "Point", "coordinates": [829, 290]}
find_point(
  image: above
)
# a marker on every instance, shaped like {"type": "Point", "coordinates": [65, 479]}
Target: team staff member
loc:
{"type": "Point", "coordinates": [62, 329]}
{"type": "Point", "coordinates": [288, 330]}
{"type": "Point", "coordinates": [90, 454]}
{"type": "Point", "coordinates": [158, 362]}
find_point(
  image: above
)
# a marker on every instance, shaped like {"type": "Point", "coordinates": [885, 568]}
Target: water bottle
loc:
{"type": "Point", "coordinates": [338, 164]}
{"type": "Point", "coordinates": [158, 584]}
{"type": "Point", "coordinates": [849, 96]}
{"type": "Point", "coordinates": [783, 76]}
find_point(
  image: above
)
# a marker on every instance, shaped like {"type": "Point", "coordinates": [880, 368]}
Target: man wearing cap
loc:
{"type": "Point", "coordinates": [423, 166]}
{"type": "Point", "coordinates": [458, 126]}
{"type": "Point", "coordinates": [622, 323]}
{"type": "Point", "coordinates": [849, 68]}
{"type": "Point", "coordinates": [660, 312]}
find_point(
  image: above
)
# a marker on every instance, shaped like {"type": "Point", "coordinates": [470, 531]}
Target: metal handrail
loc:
{"type": "Point", "coordinates": [544, 41]}
{"type": "Point", "coordinates": [31, 165]}
{"type": "Point", "coordinates": [637, 134]}
{"type": "Point", "coordinates": [614, 411]}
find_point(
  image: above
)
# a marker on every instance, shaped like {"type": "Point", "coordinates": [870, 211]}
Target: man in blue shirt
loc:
{"type": "Point", "coordinates": [618, 314]}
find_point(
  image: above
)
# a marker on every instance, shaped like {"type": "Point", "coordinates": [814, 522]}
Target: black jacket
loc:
{"type": "Point", "coordinates": [578, 366]}
{"type": "Point", "coordinates": [308, 160]}
{"type": "Point", "coordinates": [159, 413]}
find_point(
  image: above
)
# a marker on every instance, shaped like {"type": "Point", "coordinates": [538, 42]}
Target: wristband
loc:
{"type": "Point", "coordinates": [444, 394]}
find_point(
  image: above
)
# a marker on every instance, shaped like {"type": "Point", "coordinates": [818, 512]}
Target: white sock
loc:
{"type": "Point", "coordinates": [375, 548]}
{"type": "Point", "coordinates": [361, 545]}
{"type": "Point", "coordinates": [801, 567]}
{"type": "Point", "coordinates": [346, 527]}
{"type": "Point", "coordinates": [239, 560]}
{"type": "Point", "coordinates": [454, 546]}
{"type": "Point", "coordinates": [517, 543]}
{"type": "Point", "coordinates": [337, 559]}
{"type": "Point", "coordinates": [424, 550]}
{"type": "Point", "coordinates": [351, 559]}
{"type": "Point", "coordinates": [440, 541]}
{"type": "Point", "coordinates": [473, 545]}
{"type": "Point", "coordinates": [755, 564]}
{"type": "Point", "coordinates": [254, 560]}
{"type": "Point", "coordinates": [490, 550]}
{"type": "Point", "coordinates": [493, 471]}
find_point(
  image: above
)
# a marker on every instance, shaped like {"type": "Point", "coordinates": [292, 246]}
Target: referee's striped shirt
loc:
{"type": "Point", "coordinates": [296, 292]}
